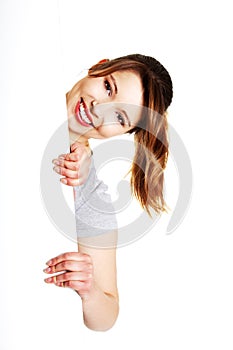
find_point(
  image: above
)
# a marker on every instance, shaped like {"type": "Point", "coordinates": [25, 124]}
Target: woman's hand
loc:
{"type": "Point", "coordinates": [74, 166]}
{"type": "Point", "coordinates": [74, 270]}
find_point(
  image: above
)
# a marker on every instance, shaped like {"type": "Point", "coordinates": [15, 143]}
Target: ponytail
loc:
{"type": "Point", "coordinates": [150, 158]}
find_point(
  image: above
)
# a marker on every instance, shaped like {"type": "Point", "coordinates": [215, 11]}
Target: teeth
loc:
{"type": "Point", "coordinates": [83, 114]}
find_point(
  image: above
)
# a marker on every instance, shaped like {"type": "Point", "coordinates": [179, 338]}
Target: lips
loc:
{"type": "Point", "coordinates": [82, 114]}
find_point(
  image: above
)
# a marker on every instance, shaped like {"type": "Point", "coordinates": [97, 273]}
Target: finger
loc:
{"type": "Point", "coordinates": [63, 160]}
{"type": "Point", "coordinates": [72, 157]}
{"type": "Point", "coordinates": [77, 146]}
{"type": "Point", "coordinates": [80, 286]}
{"type": "Point", "coordinates": [72, 182]}
{"type": "Point", "coordinates": [58, 161]}
{"type": "Point", "coordinates": [81, 149]}
{"type": "Point", "coordinates": [69, 256]}
{"type": "Point", "coordinates": [62, 156]}
{"type": "Point", "coordinates": [69, 265]}
{"type": "Point", "coordinates": [69, 276]}
{"type": "Point", "coordinates": [72, 165]}
{"type": "Point", "coordinates": [73, 276]}
{"type": "Point", "coordinates": [60, 284]}
{"type": "Point", "coordinates": [68, 156]}
{"type": "Point", "coordinates": [66, 172]}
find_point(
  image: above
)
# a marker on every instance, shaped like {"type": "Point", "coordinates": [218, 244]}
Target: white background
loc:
{"type": "Point", "coordinates": [176, 291]}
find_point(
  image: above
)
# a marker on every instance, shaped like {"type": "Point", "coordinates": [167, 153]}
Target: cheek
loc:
{"type": "Point", "coordinates": [91, 87]}
{"type": "Point", "coordinates": [110, 130]}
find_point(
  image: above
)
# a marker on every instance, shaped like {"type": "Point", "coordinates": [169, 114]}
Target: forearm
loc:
{"type": "Point", "coordinates": [100, 309]}
{"type": "Point", "coordinates": [96, 229]}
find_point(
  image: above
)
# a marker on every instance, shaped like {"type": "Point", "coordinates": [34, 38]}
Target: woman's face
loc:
{"type": "Point", "coordinates": [107, 106]}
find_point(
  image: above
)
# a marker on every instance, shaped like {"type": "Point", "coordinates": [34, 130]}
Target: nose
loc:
{"type": "Point", "coordinates": [96, 113]}
{"type": "Point", "coordinates": [94, 109]}
{"type": "Point", "coordinates": [93, 103]}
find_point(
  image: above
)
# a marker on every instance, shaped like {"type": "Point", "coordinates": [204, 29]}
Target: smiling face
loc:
{"type": "Point", "coordinates": [102, 107]}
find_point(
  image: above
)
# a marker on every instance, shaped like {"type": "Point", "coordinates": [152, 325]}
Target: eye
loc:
{"type": "Point", "coordinates": [108, 87]}
{"type": "Point", "coordinates": [120, 119]}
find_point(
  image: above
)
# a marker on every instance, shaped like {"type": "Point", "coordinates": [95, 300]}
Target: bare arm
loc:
{"type": "Point", "coordinates": [100, 303]}
{"type": "Point", "coordinates": [91, 271]}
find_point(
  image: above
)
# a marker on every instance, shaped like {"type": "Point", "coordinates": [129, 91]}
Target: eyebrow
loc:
{"type": "Point", "coordinates": [114, 83]}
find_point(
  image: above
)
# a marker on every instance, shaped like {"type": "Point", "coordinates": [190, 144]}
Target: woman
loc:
{"type": "Point", "coordinates": [102, 105]}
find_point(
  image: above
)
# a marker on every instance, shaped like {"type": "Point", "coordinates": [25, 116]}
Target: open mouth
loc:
{"type": "Point", "coordinates": [82, 114]}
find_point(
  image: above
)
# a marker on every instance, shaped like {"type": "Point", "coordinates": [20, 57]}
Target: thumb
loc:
{"type": "Point", "coordinates": [78, 146]}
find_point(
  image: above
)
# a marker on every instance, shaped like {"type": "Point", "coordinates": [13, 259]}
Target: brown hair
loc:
{"type": "Point", "coordinates": [150, 135]}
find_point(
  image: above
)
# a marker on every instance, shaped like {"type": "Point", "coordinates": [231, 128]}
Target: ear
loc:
{"type": "Point", "coordinates": [103, 61]}
{"type": "Point", "coordinates": [96, 66]}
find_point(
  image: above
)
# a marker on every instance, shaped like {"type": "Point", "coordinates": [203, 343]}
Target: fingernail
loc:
{"type": "Point", "coordinates": [61, 157]}
{"type": "Point", "coordinates": [49, 262]}
{"type": "Point", "coordinates": [56, 162]}
{"type": "Point", "coordinates": [57, 169]}
{"type": "Point", "coordinates": [48, 280]}
{"type": "Point", "coordinates": [48, 269]}
{"type": "Point", "coordinates": [64, 181]}
{"type": "Point", "coordinates": [59, 284]}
